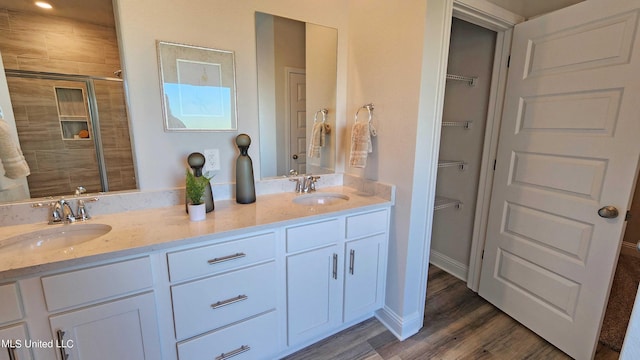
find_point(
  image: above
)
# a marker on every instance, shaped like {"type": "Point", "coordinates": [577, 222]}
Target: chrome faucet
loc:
{"type": "Point", "coordinates": [61, 213]}
{"type": "Point", "coordinates": [305, 183]}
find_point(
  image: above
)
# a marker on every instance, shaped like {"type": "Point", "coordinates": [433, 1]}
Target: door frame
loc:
{"type": "Point", "coordinates": [287, 110]}
{"type": "Point", "coordinates": [492, 17]}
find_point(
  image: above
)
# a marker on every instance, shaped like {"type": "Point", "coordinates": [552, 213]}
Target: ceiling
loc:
{"type": "Point", "coordinates": [101, 11]}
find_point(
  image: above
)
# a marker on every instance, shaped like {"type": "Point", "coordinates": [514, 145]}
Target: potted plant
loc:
{"type": "Point", "coordinates": [195, 187]}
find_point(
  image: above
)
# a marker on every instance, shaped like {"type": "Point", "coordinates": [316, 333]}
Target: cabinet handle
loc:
{"type": "Point", "coordinates": [352, 260]}
{"type": "Point", "coordinates": [63, 354]}
{"type": "Point", "coordinates": [222, 303]}
{"type": "Point", "coordinates": [232, 353]}
{"type": "Point", "coordinates": [12, 352]}
{"type": "Point", "coordinates": [226, 258]}
{"type": "Point", "coordinates": [335, 266]}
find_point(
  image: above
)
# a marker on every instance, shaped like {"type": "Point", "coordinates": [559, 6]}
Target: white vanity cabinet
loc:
{"type": "Point", "coordinates": [365, 263]}
{"type": "Point", "coordinates": [104, 312]}
{"type": "Point", "coordinates": [336, 273]}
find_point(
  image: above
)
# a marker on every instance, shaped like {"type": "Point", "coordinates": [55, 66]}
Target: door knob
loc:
{"type": "Point", "coordinates": [608, 212]}
{"type": "Point", "coordinates": [295, 156]}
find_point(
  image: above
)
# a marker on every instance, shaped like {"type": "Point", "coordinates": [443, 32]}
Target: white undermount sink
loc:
{"type": "Point", "coordinates": [320, 199]}
{"type": "Point", "coordinates": [55, 237]}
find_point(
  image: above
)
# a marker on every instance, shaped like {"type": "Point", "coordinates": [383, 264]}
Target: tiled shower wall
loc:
{"type": "Point", "coordinates": [51, 44]}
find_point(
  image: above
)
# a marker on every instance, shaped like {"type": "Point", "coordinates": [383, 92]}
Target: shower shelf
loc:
{"type": "Point", "coordinates": [450, 163]}
{"type": "Point", "coordinates": [444, 202]}
{"type": "Point", "coordinates": [464, 124]}
{"type": "Point", "coordinates": [470, 80]}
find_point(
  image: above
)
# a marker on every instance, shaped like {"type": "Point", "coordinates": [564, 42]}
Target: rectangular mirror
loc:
{"type": "Point", "coordinates": [198, 88]}
{"type": "Point", "coordinates": [67, 98]}
{"type": "Point", "coordinates": [297, 79]}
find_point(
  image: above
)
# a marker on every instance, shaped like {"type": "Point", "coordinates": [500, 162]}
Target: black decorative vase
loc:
{"type": "Point", "coordinates": [245, 186]}
{"type": "Point", "coordinates": [196, 162]}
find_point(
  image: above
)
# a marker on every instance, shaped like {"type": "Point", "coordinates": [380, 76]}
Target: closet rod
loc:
{"type": "Point", "coordinates": [471, 81]}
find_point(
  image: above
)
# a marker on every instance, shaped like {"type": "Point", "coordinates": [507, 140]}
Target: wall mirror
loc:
{"type": "Point", "coordinates": [65, 88]}
{"type": "Point", "coordinates": [297, 77]}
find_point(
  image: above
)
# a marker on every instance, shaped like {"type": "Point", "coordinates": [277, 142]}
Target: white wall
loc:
{"type": "Point", "coordinates": [385, 60]}
{"type": "Point", "coordinates": [219, 24]}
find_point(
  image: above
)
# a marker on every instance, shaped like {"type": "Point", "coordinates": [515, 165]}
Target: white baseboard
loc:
{"type": "Point", "coordinates": [401, 328]}
{"type": "Point", "coordinates": [449, 265]}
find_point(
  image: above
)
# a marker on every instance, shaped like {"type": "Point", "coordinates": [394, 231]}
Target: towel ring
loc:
{"type": "Point", "coordinates": [369, 108]}
{"type": "Point", "coordinates": [324, 115]}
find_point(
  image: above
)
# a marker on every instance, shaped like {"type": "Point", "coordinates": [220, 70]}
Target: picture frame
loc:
{"type": "Point", "coordinates": [198, 88]}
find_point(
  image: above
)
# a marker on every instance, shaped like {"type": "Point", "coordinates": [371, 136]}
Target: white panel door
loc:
{"type": "Point", "coordinates": [297, 122]}
{"type": "Point", "coordinates": [568, 147]}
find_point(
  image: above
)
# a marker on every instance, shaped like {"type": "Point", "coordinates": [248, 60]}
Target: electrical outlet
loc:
{"type": "Point", "coordinates": [212, 160]}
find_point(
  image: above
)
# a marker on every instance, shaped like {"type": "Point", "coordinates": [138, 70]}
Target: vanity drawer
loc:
{"type": "Point", "coordinates": [312, 235]}
{"type": "Point", "coordinates": [97, 283]}
{"type": "Point", "coordinates": [252, 339]}
{"type": "Point", "coordinates": [11, 310]}
{"type": "Point", "coordinates": [209, 260]}
{"type": "Point", "coordinates": [367, 224]}
{"type": "Point", "coordinates": [210, 303]}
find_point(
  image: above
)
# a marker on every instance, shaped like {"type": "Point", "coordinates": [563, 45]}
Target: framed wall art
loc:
{"type": "Point", "coordinates": [198, 88]}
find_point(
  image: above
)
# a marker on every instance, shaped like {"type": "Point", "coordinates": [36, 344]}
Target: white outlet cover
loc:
{"type": "Point", "coordinates": [212, 160]}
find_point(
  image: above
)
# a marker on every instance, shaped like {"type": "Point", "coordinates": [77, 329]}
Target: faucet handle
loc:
{"type": "Point", "coordinates": [81, 213]}
{"type": "Point", "coordinates": [312, 182]}
{"type": "Point", "coordinates": [298, 184]}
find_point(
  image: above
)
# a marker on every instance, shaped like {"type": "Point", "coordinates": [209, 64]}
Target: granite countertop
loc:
{"type": "Point", "coordinates": [143, 231]}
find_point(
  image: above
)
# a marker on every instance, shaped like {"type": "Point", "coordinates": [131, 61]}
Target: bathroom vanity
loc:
{"type": "Point", "coordinates": [256, 281]}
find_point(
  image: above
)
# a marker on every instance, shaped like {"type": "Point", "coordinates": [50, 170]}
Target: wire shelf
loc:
{"type": "Point", "coordinates": [450, 163]}
{"type": "Point", "coordinates": [464, 124]}
{"type": "Point", "coordinates": [470, 80]}
{"type": "Point", "coordinates": [444, 202]}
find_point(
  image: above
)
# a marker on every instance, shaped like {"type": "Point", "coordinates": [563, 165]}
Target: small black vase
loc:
{"type": "Point", "coordinates": [196, 162]}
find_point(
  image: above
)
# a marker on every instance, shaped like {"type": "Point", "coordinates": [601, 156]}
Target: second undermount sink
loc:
{"type": "Point", "coordinates": [55, 237]}
{"type": "Point", "coordinates": [320, 199]}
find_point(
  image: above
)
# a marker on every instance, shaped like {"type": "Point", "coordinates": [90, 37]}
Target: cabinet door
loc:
{"type": "Point", "coordinates": [124, 329]}
{"type": "Point", "coordinates": [364, 276]}
{"type": "Point", "coordinates": [13, 343]}
{"type": "Point", "coordinates": [314, 289]}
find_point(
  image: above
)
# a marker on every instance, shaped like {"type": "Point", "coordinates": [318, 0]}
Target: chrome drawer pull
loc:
{"type": "Point", "coordinates": [226, 258]}
{"type": "Point", "coordinates": [232, 353]}
{"type": "Point", "coordinates": [63, 354]}
{"type": "Point", "coordinates": [335, 266]}
{"type": "Point", "coordinates": [12, 352]}
{"type": "Point", "coordinates": [352, 258]}
{"type": "Point", "coordinates": [222, 303]}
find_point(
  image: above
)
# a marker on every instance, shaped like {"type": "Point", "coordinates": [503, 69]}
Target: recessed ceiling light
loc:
{"type": "Point", "coordinates": [44, 5]}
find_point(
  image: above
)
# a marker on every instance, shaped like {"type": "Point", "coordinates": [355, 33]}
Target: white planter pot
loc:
{"type": "Point", "coordinates": [197, 212]}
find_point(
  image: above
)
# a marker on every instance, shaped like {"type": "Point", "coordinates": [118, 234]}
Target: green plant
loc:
{"type": "Point", "coordinates": [196, 186]}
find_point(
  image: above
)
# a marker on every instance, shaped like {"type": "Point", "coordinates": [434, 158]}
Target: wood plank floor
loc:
{"type": "Point", "coordinates": [458, 325]}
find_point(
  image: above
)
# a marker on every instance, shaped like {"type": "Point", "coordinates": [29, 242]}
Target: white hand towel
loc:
{"type": "Point", "coordinates": [15, 166]}
{"type": "Point", "coordinates": [317, 139]}
{"type": "Point", "coordinates": [360, 144]}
